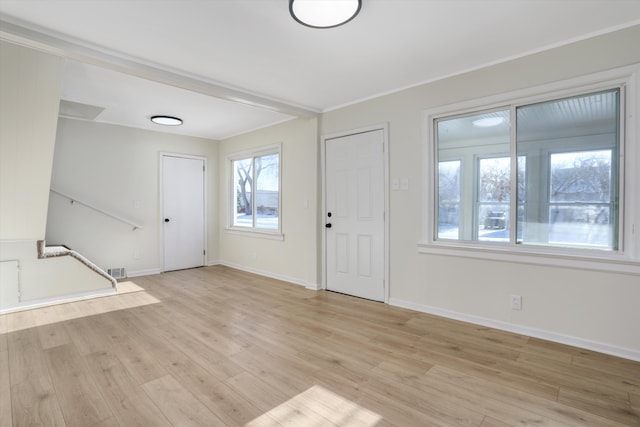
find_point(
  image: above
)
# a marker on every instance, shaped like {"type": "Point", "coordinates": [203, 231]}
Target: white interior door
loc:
{"type": "Point", "coordinates": [183, 211]}
{"type": "Point", "coordinates": [354, 216]}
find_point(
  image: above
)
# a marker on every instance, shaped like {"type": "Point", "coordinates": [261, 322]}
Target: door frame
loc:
{"type": "Point", "coordinates": [161, 155]}
{"type": "Point", "coordinates": [384, 127]}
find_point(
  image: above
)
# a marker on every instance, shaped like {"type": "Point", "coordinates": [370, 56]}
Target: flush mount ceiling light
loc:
{"type": "Point", "coordinates": [166, 120]}
{"type": "Point", "coordinates": [324, 13]}
{"type": "Point", "coordinates": [488, 122]}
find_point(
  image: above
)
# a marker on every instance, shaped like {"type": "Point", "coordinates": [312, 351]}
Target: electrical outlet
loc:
{"type": "Point", "coordinates": [516, 302]}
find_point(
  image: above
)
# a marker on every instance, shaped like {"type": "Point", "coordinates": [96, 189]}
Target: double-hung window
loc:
{"type": "Point", "coordinates": [255, 190]}
{"type": "Point", "coordinates": [537, 175]}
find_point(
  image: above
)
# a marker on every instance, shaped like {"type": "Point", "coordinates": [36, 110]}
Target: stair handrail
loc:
{"type": "Point", "coordinates": [97, 209]}
{"type": "Point", "coordinates": [61, 250]}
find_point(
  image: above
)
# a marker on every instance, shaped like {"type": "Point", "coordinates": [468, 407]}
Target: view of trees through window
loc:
{"type": "Point", "coordinates": [567, 167]}
{"type": "Point", "coordinates": [494, 191]}
{"type": "Point", "coordinates": [449, 199]}
{"type": "Point", "coordinates": [257, 176]}
{"type": "Point", "coordinates": [580, 197]}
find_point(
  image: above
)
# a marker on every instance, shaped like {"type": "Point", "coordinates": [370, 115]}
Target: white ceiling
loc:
{"type": "Point", "coordinates": [251, 52]}
{"type": "Point", "coordinates": [131, 101]}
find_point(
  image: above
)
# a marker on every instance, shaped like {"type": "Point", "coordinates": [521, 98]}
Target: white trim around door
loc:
{"type": "Point", "coordinates": [323, 143]}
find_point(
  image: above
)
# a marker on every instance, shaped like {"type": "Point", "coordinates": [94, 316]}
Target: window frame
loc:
{"type": "Point", "coordinates": [269, 233]}
{"type": "Point", "coordinates": [626, 259]}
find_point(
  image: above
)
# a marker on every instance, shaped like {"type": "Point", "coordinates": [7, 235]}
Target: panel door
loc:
{"type": "Point", "coordinates": [354, 217]}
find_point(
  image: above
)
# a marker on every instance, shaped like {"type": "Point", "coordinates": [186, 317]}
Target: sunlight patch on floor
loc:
{"type": "Point", "coordinates": [317, 406]}
{"type": "Point", "coordinates": [129, 295]}
{"type": "Point", "coordinates": [128, 286]}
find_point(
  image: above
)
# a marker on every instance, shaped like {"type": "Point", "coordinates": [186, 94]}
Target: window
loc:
{"type": "Point", "coordinates": [539, 175]}
{"type": "Point", "coordinates": [492, 205]}
{"type": "Point", "coordinates": [572, 146]}
{"type": "Point", "coordinates": [449, 199]}
{"type": "Point", "coordinates": [255, 190]}
{"type": "Point", "coordinates": [474, 175]}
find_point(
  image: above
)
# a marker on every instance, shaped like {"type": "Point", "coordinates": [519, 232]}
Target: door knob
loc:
{"type": "Point", "coordinates": [167, 220]}
{"type": "Point", "coordinates": [328, 225]}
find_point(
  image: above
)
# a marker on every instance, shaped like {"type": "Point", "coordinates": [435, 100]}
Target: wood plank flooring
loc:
{"type": "Point", "coordinates": [219, 347]}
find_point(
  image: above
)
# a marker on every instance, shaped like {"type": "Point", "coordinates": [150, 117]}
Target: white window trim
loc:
{"type": "Point", "coordinates": [627, 258]}
{"type": "Point", "coordinates": [264, 233]}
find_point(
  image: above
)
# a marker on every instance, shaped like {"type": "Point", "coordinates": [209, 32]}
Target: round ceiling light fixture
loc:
{"type": "Point", "coordinates": [166, 120]}
{"type": "Point", "coordinates": [488, 122]}
{"type": "Point", "coordinates": [324, 13]}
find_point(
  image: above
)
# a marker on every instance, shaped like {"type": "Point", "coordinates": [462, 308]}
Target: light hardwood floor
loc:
{"type": "Point", "coordinates": [215, 346]}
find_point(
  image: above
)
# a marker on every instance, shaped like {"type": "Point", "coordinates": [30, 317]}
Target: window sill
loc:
{"type": "Point", "coordinates": [271, 235]}
{"type": "Point", "coordinates": [550, 258]}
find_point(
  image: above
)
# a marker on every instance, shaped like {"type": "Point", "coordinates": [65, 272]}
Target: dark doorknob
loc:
{"type": "Point", "coordinates": [328, 225]}
{"type": "Point", "coordinates": [167, 220]}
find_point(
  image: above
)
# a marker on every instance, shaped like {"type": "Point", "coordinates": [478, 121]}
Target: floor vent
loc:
{"type": "Point", "coordinates": [117, 273]}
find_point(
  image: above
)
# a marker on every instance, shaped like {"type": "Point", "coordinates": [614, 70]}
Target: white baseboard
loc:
{"type": "Point", "coordinates": [294, 280]}
{"type": "Point", "coordinates": [28, 305]}
{"type": "Point", "coordinates": [152, 271]}
{"type": "Point", "coordinates": [626, 353]}
{"type": "Point", "coordinates": [145, 272]}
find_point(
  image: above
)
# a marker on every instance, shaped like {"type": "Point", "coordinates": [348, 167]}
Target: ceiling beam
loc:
{"type": "Point", "coordinates": [62, 46]}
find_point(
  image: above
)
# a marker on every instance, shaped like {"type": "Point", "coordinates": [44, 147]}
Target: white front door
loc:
{"type": "Point", "coordinates": [354, 217]}
{"type": "Point", "coordinates": [183, 211]}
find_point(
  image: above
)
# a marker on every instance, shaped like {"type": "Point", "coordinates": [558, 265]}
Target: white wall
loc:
{"type": "Point", "coordinates": [48, 279]}
{"type": "Point", "coordinates": [116, 168]}
{"type": "Point", "coordinates": [295, 257]}
{"type": "Point", "coordinates": [29, 99]}
{"type": "Point", "coordinates": [599, 310]}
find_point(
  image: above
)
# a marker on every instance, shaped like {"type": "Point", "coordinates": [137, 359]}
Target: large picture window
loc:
{"type": "Point", "coordinates": [572, 146]}
{"type": "Point", "coordinates": [255, 190]}
{"type": "Point", "coordinates": [542, 175]}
